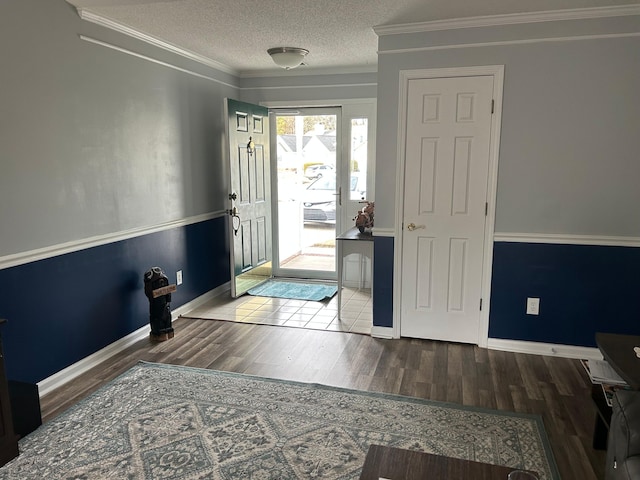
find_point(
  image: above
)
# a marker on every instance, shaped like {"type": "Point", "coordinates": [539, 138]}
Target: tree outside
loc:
{"type": "Point", "coordinates": [286, 125]}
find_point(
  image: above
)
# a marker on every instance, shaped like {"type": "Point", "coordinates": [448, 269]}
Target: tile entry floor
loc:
{"type": "Point", "coordinates": [357, 316]}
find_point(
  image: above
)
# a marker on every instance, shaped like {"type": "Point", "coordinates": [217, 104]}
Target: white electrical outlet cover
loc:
{"type": "Point", "coordinates": [533, 306]}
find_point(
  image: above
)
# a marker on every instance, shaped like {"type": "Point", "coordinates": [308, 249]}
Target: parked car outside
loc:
{"type": "Point", "coordinates": [319, 171]}
{"type": "Point", "coordinates": [319, 198]}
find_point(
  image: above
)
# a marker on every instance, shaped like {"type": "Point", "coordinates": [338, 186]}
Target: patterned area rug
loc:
{"type": "Point", "coordinates": [167, 422]}
{"type": "Point", "coordinates": [294, 290]}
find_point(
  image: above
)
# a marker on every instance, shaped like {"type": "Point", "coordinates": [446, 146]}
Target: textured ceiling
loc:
{"type": "Point", "coordinates": [338, 33]}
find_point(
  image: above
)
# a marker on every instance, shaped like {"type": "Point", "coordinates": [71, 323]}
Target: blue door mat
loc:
{"type": "Point", "coordinates": [294, 290]}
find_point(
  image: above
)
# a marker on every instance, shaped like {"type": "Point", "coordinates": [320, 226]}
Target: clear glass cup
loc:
{"type": "Point", "coordinates": [521, 475]}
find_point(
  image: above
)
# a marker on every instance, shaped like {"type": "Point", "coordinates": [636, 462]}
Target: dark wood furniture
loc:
{"type": "Point", "coordinates": [8, 439]}
{"type": "Point", "coordinates": [25, 407]}
{"type": "Point", "coordinates": [603, 418]}
{"type": "Point", "coordinates": [397, 463]}
{"type": "Point", "coordinates": [618, 351]}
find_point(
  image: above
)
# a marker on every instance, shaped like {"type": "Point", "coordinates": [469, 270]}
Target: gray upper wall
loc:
{"type": "Point", "coordinates": [299, 89]}
{"type": "Point", "coordinates": [94, 141]}
{"type": "Point", "coordinates": [569, 161]}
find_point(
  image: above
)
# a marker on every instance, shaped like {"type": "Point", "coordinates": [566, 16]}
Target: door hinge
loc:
{"type": "Point", "coordinates": [486, 209]}
{"type": "Point", "coordinates": [493, 105]}
{"type": "Point", "coordinates": [480, 304]}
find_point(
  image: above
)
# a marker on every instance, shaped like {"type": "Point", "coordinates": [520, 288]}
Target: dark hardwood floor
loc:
{"type": "Point", "coordinates": [556, 388]}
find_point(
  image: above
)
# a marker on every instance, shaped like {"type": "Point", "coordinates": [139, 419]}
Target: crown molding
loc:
{"type": "Point", "coordinates": [528, 41]}
{"type": "Point", "coordinates": [307, 87]}
{"type": "Point", "coordinates": [153, 60]}
{"type": "Point", "coordinates": [92, 17]}
{"type": "Point", "coordinates": [509, 19]}
{"type": "Point", "coordinates": [303, 71]}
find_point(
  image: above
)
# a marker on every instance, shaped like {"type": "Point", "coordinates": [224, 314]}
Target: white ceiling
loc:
{"type": "Point", "coordinates": [338, 33]}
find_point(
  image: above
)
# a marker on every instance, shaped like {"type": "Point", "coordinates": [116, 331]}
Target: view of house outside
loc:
{"type": "Point", "coordinates": [306, 170]}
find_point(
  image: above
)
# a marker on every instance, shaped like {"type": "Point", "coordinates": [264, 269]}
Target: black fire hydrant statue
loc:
{"type": "Point", "coordinates": [158, 291]}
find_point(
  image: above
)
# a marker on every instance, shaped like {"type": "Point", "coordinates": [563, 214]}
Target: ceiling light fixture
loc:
{"type": "Point", "coordinates": [288, 57]}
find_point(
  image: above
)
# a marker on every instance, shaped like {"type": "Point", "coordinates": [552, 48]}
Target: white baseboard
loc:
{"type": "Point", "coordinates": [382, 332]}
{"type": "Point", "coordinates": [72, 371]}
{"type": "Point", "coordinates": [549, 349]}
{"type": "Point", "coordinates": [518, 346]}
{"type": "Point", "coordinates": [196, 302]}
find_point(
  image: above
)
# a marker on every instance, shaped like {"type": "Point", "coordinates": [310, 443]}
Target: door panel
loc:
{"type": "Point", "coordinates": [250, 195]}
{"type": "Point", "coordinates": [446, 171]}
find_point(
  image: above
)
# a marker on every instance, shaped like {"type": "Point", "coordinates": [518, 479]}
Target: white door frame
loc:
{"type": "Point", "coordinates": [497, 71]}
{"type": "Point", "coordinates": [350, 108]}
{"type": "Point", "coordinates": [278, 271]}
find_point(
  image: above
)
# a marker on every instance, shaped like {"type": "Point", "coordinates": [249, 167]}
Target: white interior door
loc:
{"type": "Point", "coordinates": [448, 134]}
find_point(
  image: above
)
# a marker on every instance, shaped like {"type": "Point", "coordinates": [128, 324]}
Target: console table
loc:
{"type": "Point", "coordinates": [618, 351]}
{"type": "Point", "coordinates": [351, 241]}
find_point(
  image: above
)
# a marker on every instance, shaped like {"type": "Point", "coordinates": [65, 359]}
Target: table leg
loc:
{"type": "Point", "coordinates": [339, 262]}
{"type": "Point", "coordinates": [600, 434]}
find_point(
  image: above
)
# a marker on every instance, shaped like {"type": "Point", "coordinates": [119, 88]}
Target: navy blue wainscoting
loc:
{"type": "Point", "coordinates": [65, 308]}
{"type": "Point", "coordinates": [583, 289]}
{"type": "Point", "coordinates": [383, 281]}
